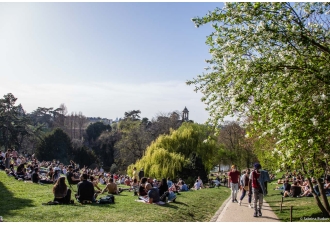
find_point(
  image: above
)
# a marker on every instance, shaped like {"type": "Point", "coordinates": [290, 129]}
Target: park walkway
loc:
{"type": "Point", "coordinates": [233, 212]}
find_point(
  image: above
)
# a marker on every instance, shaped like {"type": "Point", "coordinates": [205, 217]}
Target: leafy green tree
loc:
{"type": "Point", "coordinates": [105, 147]}
{"type": "Point", "coordinates": [13, 122]}
{"type": "Point", "coordinates": [84, 157]}
{"type": "Point", "coordinates": [270, 62]}
{"type": "Point", "coordinates": [94, 130]}
{"type": "Point", "coordinates": [56, 145]}
{"type": "Point", "coordinates": [169, 154]}
{"type": "Point", "coordinates": [133, 142]}
{"type": "Point", "coordinates": [132, 115]}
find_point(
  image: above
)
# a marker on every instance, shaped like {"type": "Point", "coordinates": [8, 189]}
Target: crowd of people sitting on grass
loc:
{"type": "Point", "coordinates": [90, 182]}
{"type": "Point", "coordinates": [295, 185]}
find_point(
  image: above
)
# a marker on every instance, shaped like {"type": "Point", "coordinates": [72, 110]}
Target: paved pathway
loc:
{"type": "Point", "coordinates": [233, 212]}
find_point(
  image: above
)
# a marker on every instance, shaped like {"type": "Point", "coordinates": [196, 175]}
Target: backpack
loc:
{"type": "Point", "coordinates": [109, 199]}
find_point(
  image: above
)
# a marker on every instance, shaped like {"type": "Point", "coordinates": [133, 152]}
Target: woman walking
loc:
{"type": "Point", "coordinates": [245, 187]}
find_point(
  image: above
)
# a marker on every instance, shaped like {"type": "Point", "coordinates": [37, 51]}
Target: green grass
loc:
{"type": "Point", "coordinates": [22, 202]}
{"type": "Point", "coordinates": [302, 207]}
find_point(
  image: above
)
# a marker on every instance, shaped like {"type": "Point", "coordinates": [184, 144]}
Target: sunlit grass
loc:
{"type": "Point", "coordinates": [304, 207]}
{"type": "Point", "coordinates": [22, 202]}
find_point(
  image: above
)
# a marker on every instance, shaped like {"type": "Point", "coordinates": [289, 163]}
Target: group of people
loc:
{"type": "Point", "coordinates": [87, 181]}
{"type": "Point", "coordinates": [295, 185]}
{"type": "Point", "coordinates": [253, 183]}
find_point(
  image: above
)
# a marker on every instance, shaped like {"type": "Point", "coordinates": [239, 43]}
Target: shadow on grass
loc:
{"type": "Point", "coordinates": [11, 202]}
{"type": "Point", "coordinates": [180, 203]}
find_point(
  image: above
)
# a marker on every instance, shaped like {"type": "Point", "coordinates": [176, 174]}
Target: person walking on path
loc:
{"type": "Point", "coordinates": [234, 176]}
{"type": "Point", "coordinates": [258, 189]}
{"type": "Point", "coordinates": [245, 187]}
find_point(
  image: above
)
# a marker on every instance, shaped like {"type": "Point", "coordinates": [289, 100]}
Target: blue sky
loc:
{"type": "Point", "coordinates": [104, 59]}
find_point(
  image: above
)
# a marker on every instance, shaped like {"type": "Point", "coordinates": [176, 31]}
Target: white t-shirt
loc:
{"type": "Point", "coordinates": [197, 185]}
{"type": "Point", "coordinates": [64, 171]}
{"type": "Point", "coordinates": [18, 161]}
{"type": "Point", "coordinates": [101, 181]}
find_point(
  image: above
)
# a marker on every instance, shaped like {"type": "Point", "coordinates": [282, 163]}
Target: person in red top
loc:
{"type": "Point", "coordinates": [234, 181]}
{"type": "Point", "coordinates": [256, 189]}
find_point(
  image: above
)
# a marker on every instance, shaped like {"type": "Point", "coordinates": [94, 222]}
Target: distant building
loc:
{"type": "Point", "coordinates": [185, 114]}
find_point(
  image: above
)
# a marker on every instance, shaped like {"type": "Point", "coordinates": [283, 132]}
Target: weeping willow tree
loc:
{"type": "Point", "coordinates": [169, 154]}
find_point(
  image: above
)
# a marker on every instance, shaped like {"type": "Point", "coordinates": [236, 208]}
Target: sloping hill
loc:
{"type": "Point", "coordinates": [22, 202]}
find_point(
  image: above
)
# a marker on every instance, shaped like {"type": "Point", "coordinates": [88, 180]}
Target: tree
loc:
{"type": "Point", "coordinates": [164, 122]}
{"type": "Point", "coordinates": [270, 62]}
{"type": "Point", "coordinates": [237, 149]}
{"type": "Point", "coordinates": [83, 156]}
{"type": "Point", "coordinates": [187, 147]}
{"type": "Point", "coordinates": [13, 122]}
{"type": "Point", "coordinates": [132, 144]}
{"type": "Point", "coordinates": [104, 147]}
{"type": "Point", "coordinates": [56, 145]}
{"type": "Point", "coordinates": [81, 121]}
{"type": "Point", "coordinates": [42, 115]}
{"type": "Point", "coordinates": [94, 130]}
{"type": "Point", "coordinates": [132, 115]}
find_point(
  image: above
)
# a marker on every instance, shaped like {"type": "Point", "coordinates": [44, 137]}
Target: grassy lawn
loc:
{"type": "Point", "coordinates": [302, 207]}
{"type": "Point", "coordinates": [22, 202]}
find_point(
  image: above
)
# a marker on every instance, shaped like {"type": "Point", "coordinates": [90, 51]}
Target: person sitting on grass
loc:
{"type": "Point", "coordinates": [134, 186]}
{"type": "Point", "coordinates": [111, 188]}
{"type": "Point", "coordinates": [61, 192]}
{"type": "Point", "coordinates": [196, 186]}
{"type": "Point", "coordinates": [287, 188]}
{"type": "Point", "coordinates": [327, 186]}
{"type": "Point", "coordinates": [85, 193]}
{"type": "Point", "coordinates": [169, 182]}
{"type": "Point", "coordinates": [153, 195]}
{"type": "Point", "coordinates": [127, 181]}
{"type": "Point", "coordinates": [306, 192]}
{"type": "Point", "coordinates": [295, 190]}
{"type": "Point", "coordinates": [184, 186]}
{"type": "Point", "coordinates": [57, 175]}
{"type": "Point", "coordinates": [95, 184]}
{"type": "Point", "coordinates": [70, 176]}
{"type": "Point", "coordinates": [142, 191]}
{"type": "Point", "coordinates": [163, 190]}
{"type": "Point", "coordinates": [102, 179]}
{"type": "Point", "coordinates": [50, 174]}
{"type": "Point", "coordinates": [200, 182]}
{"type": "Point", "coordinates": [37, 179]}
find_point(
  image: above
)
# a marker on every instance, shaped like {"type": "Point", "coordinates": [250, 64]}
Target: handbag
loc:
{"type": "Point", "coordinates": [246, 188]}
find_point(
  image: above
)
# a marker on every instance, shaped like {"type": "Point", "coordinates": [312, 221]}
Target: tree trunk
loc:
{"type": "Point", "coordinates": [323, 197]}
{"type": "Point", "coordinates": [317, 199]}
